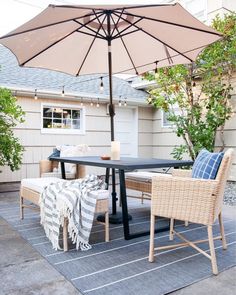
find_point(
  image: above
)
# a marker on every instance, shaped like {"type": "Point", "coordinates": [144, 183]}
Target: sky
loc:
{"type": "Point", "coordinates": [14, 13]}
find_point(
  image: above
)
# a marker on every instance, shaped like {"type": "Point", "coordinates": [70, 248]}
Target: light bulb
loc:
{"type": "Point", "coordinates": [35, 94]}
{"type": "Point", "coordinates": [101, 84]}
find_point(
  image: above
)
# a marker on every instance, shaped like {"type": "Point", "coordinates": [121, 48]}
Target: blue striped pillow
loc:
{"type": "Point", "coordinates": [206, 165]}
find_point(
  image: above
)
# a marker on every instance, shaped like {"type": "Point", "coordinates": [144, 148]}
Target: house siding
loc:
{"type": "Point", "coordinates": [145, 132]}
{"type": "Point", "coordinates": [164, 139]}
{"type": "Point", "coordinates": [39, 145]}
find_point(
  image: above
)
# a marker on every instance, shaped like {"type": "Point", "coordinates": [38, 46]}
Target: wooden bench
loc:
{"type": "Point", "coordinates": [31, 188]}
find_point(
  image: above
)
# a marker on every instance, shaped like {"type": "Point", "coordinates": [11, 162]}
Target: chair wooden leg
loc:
{"type": "Point", "coordinates": [21, 207]}
{"type": "Point", "coordinates": [65, 235]}
{"type": "Point", "coordinates": [212, 250]}
{"type": "Point", "coordinates": [171, 237]}
{"type": "Point", "coordinates": [107, 226]}
{"type": "Point", "coordinates": [222, 231]}
{"type": "Point", "coordinates": [152, 232]}
{"type": "Point", "coordinates": [186, 223]}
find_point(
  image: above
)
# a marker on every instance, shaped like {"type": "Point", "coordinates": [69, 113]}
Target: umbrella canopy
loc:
{"type": "Point", "coordinates": [115, 39]}
{"type": "Point", "coordinates": [74, 39]}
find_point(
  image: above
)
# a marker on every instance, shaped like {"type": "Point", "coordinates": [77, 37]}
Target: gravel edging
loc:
{"type": "Point", "coordinates": [230, 193]}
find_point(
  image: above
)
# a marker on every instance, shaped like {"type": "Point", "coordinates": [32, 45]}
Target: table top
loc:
{"type": "Point", "coordinates": [126, 163]}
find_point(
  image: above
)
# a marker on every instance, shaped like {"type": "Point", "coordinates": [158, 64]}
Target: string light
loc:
{"type": "Point", "coordinates": [101, 84]}
{"type": "Point", "coordinates": [81, 101]}
{"type": "Point", "coordinates": [125, 103]}
{"type": "Point", "coordinates": [98, 105]}
{"type": "Point", "coordinates": [35, 94]}
{"type": "Point", "coordinates": [91, 103]}
{"type": "Point", "coordinates": [63, 91]}
{"type": "Point", "coordinates": [120, 102]}
{"type": "Point", "coordinates": [156, 67]}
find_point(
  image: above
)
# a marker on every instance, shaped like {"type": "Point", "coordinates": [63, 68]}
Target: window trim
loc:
{"type": "Point", "coordinates": [63, 131]}
{"type": "Point", "coordinates": [162, 121]}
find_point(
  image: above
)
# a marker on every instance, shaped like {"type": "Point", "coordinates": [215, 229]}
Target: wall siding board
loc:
{"type": "Point", "coordinates": [145, 125]}
{"type": "Point", "coordinates": [145, 113]}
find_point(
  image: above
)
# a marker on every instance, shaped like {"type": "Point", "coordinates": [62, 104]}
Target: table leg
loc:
{"type": "Point", "coordinates": [107, 177]}
{"type": "Point", "coordinates": [113, 191]}
{"type": "Point", "coordinates": [124, 204]}
{"type": "Point", "coordinates": [126, 216]}
{"type": "Point", "coordinates": [63, 173]}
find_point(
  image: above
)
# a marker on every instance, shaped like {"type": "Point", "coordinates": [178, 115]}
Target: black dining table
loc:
{"type": "Point", "coordinates": [123, 165]}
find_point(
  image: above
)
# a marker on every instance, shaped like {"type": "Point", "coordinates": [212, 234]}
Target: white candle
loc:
{"type": "Point", "coordinates": [115, 150]}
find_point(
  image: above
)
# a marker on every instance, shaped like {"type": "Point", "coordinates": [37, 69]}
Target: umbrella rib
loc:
{"type": "Point", "coordinates": [144, 31]}
{"type": "Point", "coordinates": [114, 37]}
{"type": "Point", "coordinates": [89, 34]}
{"type": "Point", "coordinates": [44, 26]}
{"type": "Point", "coordinates": [87, 53]}
{"type": "Point", "coordinates": [168, 55]}
{"type": "Point", "coordinates": [115, 24]}
{"type": "Point", "coordinates": [89, 29]}
{"type": "Point", "coordinates": [154, 62]}
{"type": "Point", "coordinates": [122, 35]}
{"type": "Point", "coordinates": [174, 24]}
{"type": "Point", "coordinates": [100, 22]}
{"type": "Point", "coordinates": [127, 51]}
{"type": "Point", "coordinates": [51, 45]}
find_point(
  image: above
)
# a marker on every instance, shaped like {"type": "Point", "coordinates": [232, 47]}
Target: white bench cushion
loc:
{"type": "Point", "coordinates": [143, 175]}
{"type": "Point", "coordinates": [38, 184]}
{"type": "Point", "coordinates": [101, 194]}
{"type": "Point", "coordinates": [58, 175]}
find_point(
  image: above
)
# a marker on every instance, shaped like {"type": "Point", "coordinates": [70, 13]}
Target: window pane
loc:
{"type": "Point", "coordinates": [76, 124]}
{"type": "Point", "coordinates": [75, 114]}
{"type": "Point", "coordinates": [57, 123]}
{"type": "Point", "coordinates": [47, 112]}
{"type": "Point", "coordinates": [47, 123]}
{"type": "Point", "coordinates": [67, 122]}
{"type": "Point", "coordinates": [57, 113]}
{"type": "Point", "coordinates": [66, 113]}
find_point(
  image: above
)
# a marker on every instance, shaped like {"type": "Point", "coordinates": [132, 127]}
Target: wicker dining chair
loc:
{"type": "Point", "coordinates": [190, 199]}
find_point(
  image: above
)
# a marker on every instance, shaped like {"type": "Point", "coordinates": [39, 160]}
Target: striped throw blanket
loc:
{"type": "Point", "coordinates": [70, 199]}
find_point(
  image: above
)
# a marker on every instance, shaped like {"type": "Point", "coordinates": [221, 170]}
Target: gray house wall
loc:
{"type": "Point", "coordinates": [39, 146]}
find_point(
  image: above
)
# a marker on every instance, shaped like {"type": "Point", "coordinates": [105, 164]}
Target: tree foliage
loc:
{"type": "Point", "coordinates": [10, 115]}
{"type": "Point", "coordinates": [201, 91]}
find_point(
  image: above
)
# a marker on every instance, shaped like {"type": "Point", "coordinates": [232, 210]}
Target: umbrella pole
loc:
{"type": "Point", "coordinates": [115, 217]}
{"type": "Point", "coordinates": [112, 114]}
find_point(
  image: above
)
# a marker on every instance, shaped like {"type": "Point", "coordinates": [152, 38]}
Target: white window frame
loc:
{"type": "Point", "coordinates": [164, 121]}
{"type": "Point", "coordinates": [64, 131]}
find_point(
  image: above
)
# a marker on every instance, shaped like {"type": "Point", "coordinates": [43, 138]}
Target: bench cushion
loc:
{"type": "Point", "coordinates": [58, 175]}
{"type": "Point", "coordinates": [38, 184]}
{"type": "Point", "coordinates": [144, 176]}
{"type": "Point", "coordinates": [100, 194]}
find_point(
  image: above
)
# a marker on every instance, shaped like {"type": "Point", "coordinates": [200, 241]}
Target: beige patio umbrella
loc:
{"type": "Point", "coordinates": [109, 39]}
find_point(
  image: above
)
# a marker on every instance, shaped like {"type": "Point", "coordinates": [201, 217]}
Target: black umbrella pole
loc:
{"type": "Point", "coordinates": [112, 113]}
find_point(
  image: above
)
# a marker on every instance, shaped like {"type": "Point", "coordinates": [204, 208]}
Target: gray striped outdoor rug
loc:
{"type": "Point", "coordinates": [121, 267]}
